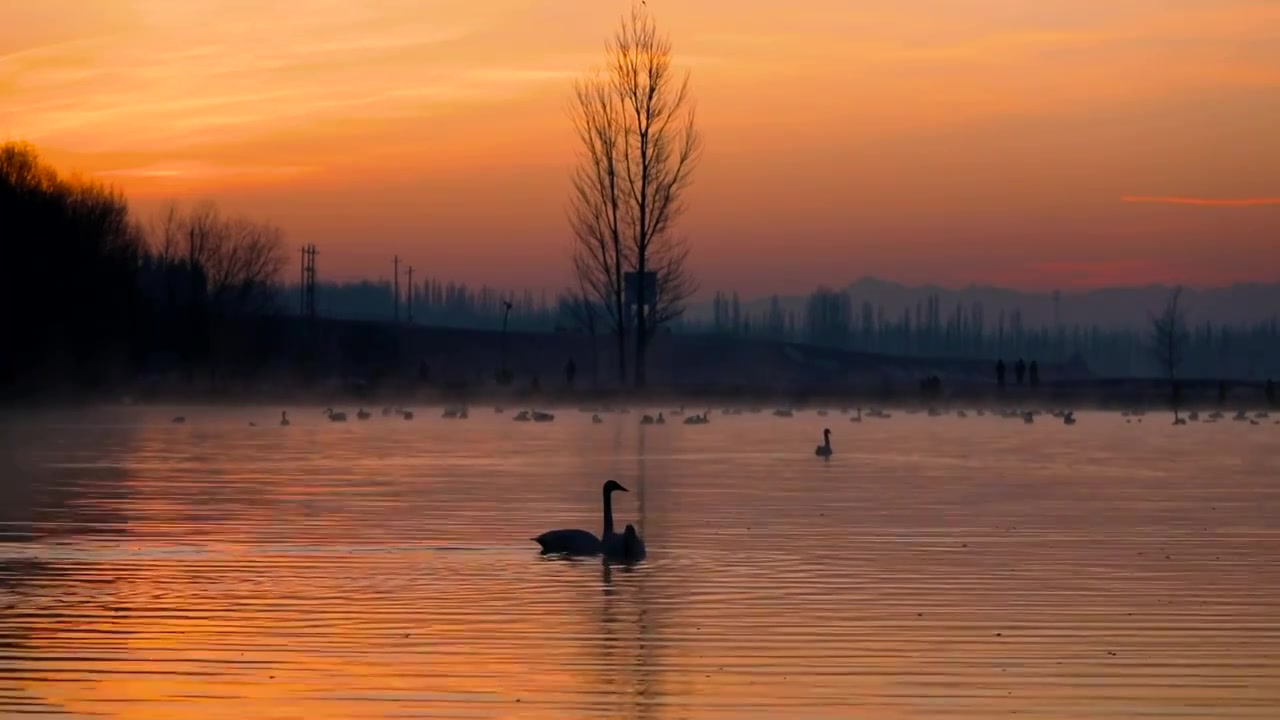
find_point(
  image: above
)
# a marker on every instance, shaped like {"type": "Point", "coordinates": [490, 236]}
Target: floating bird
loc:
{"type": "Point", "coordinates": [335, 416]}
{"type": "Point", "coordinates": [284, 418]}
{"type": "Point", "coordinates": [824, 450]}
{"type": "Point", "coordinates": [582, 542]}
{"type": "Point", "coordinates": [179, 420]}
{"type": "Point", "coordinates": [362, 414]}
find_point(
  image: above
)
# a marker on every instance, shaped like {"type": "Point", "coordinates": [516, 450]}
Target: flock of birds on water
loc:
{"type": "Point", "coordinates": [628, 546]}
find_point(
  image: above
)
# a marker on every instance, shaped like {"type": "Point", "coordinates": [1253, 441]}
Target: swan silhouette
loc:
{"type": "Point", "coordinates": [632, 544]}
{"type": "Point", "coordinates": [596, 420]}
{"type": "Point", "coordinates": [284, 418]}
{"type": "Point", "coordinates": [582, 542]}
{"type": "Point", "coordinates": [824, 450]}
{"type": "Point", "coordinates": [335, 416]}
{"type": "Point", "coordinates": [362, 414]}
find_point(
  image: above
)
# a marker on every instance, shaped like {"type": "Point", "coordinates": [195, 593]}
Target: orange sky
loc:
{"type": "Point", "coordinates": [1032, 143]}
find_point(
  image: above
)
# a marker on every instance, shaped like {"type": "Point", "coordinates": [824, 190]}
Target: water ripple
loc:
{"type": "Point", "coordinates": [933, 568]}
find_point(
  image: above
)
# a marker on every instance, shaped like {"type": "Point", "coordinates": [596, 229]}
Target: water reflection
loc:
{"type": "Point", "coordinates": [381, 569]}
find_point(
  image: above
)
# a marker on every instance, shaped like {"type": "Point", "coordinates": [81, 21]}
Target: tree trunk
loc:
{"type": "Point", "coordinates": [641, 319]}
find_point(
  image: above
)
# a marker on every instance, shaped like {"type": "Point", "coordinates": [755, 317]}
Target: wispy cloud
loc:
{"type": "Point", "coordinates": [1208, 202]}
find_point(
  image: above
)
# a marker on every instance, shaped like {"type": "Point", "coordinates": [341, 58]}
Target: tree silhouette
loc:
{"type": "Point", "coordinates": [1168, 341]}
{"type": "Point", "coordinates": [70, 306]}
{"type": "Point", "coordinates": [635, 123]}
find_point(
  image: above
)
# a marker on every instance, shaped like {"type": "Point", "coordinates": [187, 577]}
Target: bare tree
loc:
{"type": "Point", "coordinates": [1168, 343]}
{"type": "Point", "coordinates": [232, 265]}
{"type": "Point", "coordinates": [240, 259]}
{"type": "Point", "coordinates": [596, 212]}
{"type": "Point", "coordinates": [635, 121]}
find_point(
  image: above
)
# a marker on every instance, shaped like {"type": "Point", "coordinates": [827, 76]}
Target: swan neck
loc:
{"type": "Point", "coordinates": [608, 513]}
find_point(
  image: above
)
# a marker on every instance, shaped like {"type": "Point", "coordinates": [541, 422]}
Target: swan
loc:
{"type": "Point", "coordinates": [661, 420]}
{"type": "Point", "coordinates": [824, 450]}
{"type": "Point", "coordinates": [179, 420]}
{"type": "Point", "coordinates": [1069, 418]}
{"type": "Point", "coordinates": [253, 424]}
{"type": "Point", "coordinates": [596, 420]}
{"type": "Point", "coordinates": [632, 545]}
{"type": "Point", "coordinates": [522, 416]}
{"type": "Point", "coordinates": [362, 414]}
{"type": "Point", "coordinates": [407, 414]}
{"type": "Point", "coordinates": [582, 542]}
{"type": "Point", "coordinates": [542, 417]}
{"type": "Point", "coordinates": [783, 413]}
{"type": "Point", "coordinates": [856, 418]}
{"type": "Point", "coordinates": [284, 418]}
{"type": "Point", "coordinates": [646, 420]}
{"type": "Point", "coordinates": [335, 416]}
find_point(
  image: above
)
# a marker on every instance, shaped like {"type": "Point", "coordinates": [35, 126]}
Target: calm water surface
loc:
{"type": "Point", "coordinates": [933, 568]}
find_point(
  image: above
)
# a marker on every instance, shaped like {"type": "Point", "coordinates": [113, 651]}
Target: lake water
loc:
{"type": "Point", "coordinates": [933, 568]}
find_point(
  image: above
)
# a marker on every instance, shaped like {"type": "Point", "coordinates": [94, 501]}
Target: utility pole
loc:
{"type": "Point", "coordinates": [410, 297]}
{"type": "Point", "coordinates": [308, 287]}
{"type": "Point", "coordinates": [395, 290]}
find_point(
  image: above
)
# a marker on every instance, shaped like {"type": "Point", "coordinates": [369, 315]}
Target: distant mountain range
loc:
{"type": "Point", "coordinates": [1117, 307]}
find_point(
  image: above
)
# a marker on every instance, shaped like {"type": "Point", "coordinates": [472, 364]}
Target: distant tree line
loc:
{"type": "Point", "coordinates": [833, 318]}
{"type": "Point", "coordinates": [434, 302]}
{"type": "Point", "coordinates": [90, 295]}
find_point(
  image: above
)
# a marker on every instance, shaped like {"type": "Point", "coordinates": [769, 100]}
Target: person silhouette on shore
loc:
{"type": "Point", "coordinates": [1034, 373]}
{"type": "Point", "coordinates": [570, 372]}
{"type": "Point", "coordinates": [1000, 373]}
{"type": "Point", "coordinates": [1020, 371]}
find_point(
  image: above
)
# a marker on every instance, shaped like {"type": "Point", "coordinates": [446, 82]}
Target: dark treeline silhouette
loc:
{"type": "Point", "coordinates": [435, 302]}
{"type": "Point", "coordinates": [90, 296]}
{"type": "Point", "coordinates": [965, 331]}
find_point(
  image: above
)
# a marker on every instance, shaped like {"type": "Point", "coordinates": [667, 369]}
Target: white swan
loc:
{"type": "Point", "coordinates": [582, 542]}
{"type": "Point", "coordinates": [824, 450]}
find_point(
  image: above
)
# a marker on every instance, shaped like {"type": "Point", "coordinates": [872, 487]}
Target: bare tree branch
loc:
{"type": "Point", "coordinates": [635, 123]}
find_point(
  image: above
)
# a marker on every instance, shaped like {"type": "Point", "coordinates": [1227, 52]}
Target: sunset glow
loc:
{"type": "Point", "coordinates": [1054, 142]}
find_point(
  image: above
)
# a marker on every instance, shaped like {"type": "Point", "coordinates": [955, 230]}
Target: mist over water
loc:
{"type": "Point", "coordinates": [933, 568]}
